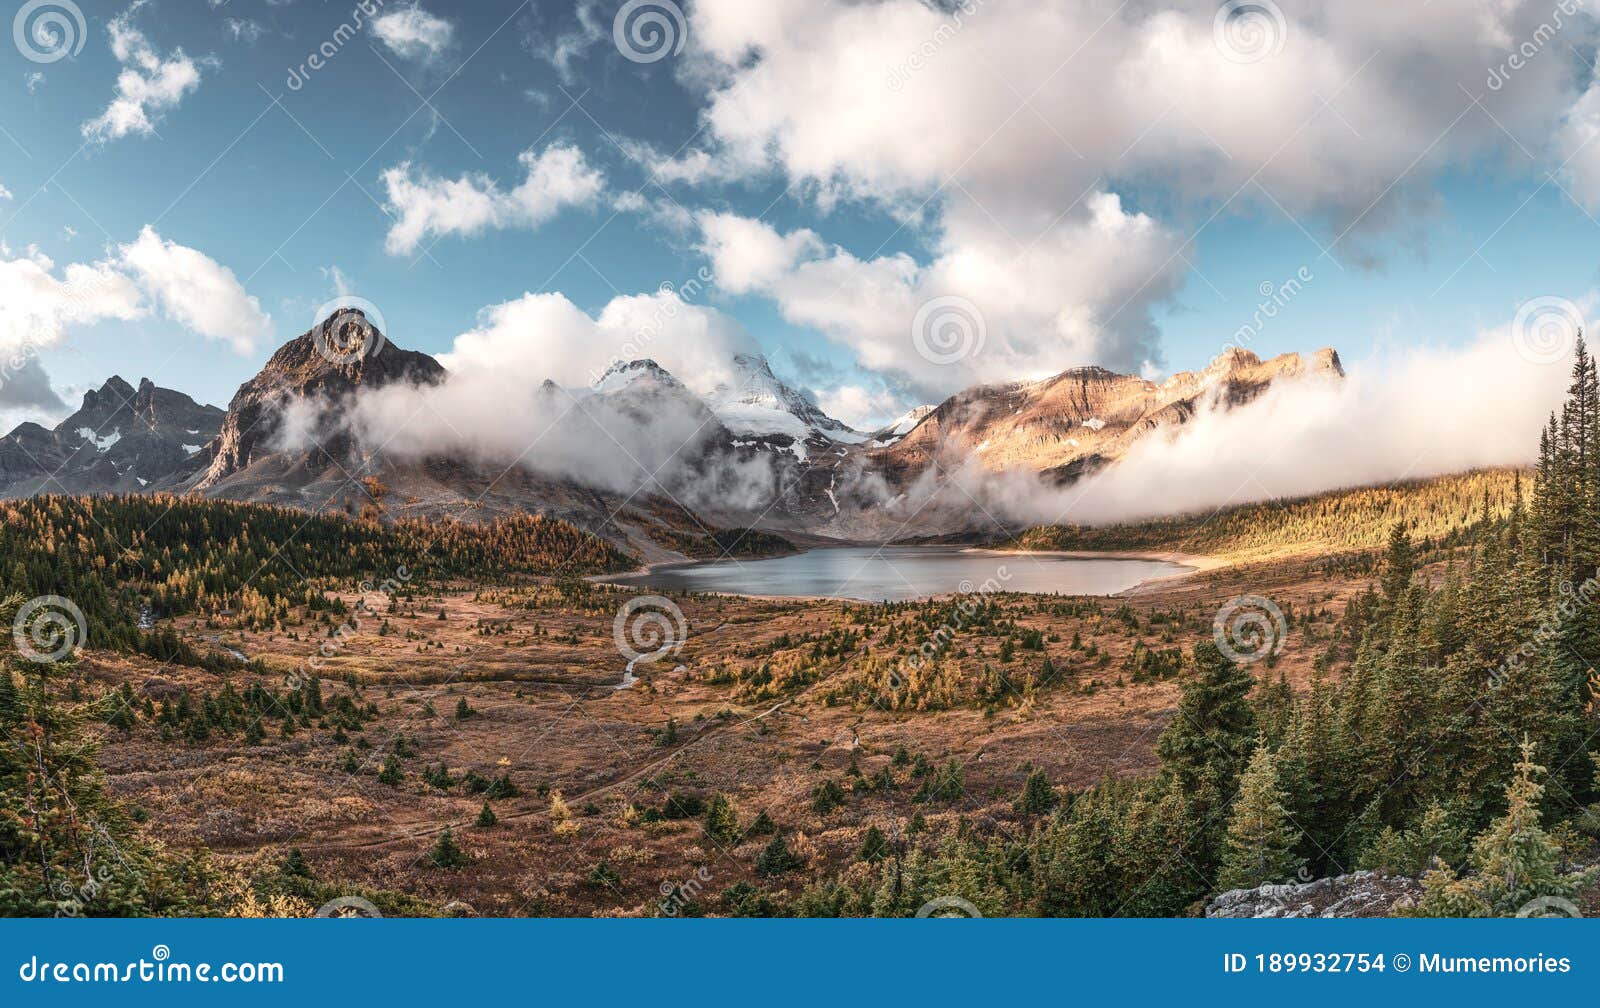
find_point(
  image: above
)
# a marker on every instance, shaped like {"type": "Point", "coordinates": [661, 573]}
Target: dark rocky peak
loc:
{"type": "Point", "coordinates": [327, 365]}
{"type": "Point", "coordinates": [342, 353]}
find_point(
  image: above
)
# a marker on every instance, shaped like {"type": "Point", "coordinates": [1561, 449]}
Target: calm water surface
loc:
{"type": "Point", "coordinates": [896, 573]}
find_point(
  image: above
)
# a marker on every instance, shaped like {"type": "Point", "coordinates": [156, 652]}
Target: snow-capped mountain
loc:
{"type": "Point", "coordinates": [757, 403]}
{"type": "Point", "coordinates": [639, 457]}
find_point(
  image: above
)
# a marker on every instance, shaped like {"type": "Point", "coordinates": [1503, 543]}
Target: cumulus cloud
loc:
{"type": "Point", "coordinates": [412, 33]}
{"type": "Point", "coordinates": [26, 391]}
{"type": "Point", "coordinates": [1403, 413]}
{"type": "Point", "coordinates": [545, 336]}
{"type": "Point", "coordinates": [863, 408]}
{"type": "Point", "coordinates": [516, 395]}
{"type": "Point", "coordinates": [40, 304]}
{"type": "Point", "coordinates": [147, 85]}
{"type": "Point", "coordinates": [888, 99]}
{"type": "Point", "coordinates": [1020, 151]}
{"type": "Point", "coordinates": [195, 291]}
{"type": "Point", "coordinates": [1081, 294]}
{"type": "Point", "coordinates": [424, 204]}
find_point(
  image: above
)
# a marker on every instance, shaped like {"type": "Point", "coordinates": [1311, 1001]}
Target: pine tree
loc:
{"type": "Point", "coordinates": [1205, 746]}
{"type": "Point", "coordinates": [1037, 795]}
{"type": "Point", "coordinates": [1514, 861]}
{"type": "Point", "coordinates": [1261, 839]}
{"type": "Point", "coordinates": [446, 853]}
{"type": "Point", "coordinates": [391, 772]}
{"type": "Point", "coordinates": [874, 846]}
{"type": "Point", "coordinates": [486, 817]}
{"type": "Point", "coordinates": [721, 822]}
{"type": "Point", "coordinates": [295, 864]}
{"type": "Point", "coordinates": [776, 858]}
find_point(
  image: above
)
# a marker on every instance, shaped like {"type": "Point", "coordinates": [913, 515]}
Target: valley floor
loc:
{"type": "Point", "coordinates": [535, 672]}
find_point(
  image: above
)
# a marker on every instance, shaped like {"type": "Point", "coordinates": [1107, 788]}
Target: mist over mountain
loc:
{"type": "Point", "coordinates": [339, 418]}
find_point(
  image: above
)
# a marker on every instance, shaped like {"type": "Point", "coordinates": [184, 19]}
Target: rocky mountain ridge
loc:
{"type": "Point", "coordinates": [753, 452]}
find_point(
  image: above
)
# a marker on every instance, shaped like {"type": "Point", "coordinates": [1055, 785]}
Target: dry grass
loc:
{"type": "Point", "coordinates": [546, 714]}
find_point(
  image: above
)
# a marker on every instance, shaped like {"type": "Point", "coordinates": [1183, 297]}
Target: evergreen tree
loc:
{"type": "Point", "coordinates": [874, 846]}
{"type": "Point", "coordinates": [486, 817]}
{"type": "Point", "coordinates": [776, 858]}
{"type": "Point", "coordinates": [1037, 795]}
{"type": "Point", "coordinates": [1514, 861]}
{"type": "Point", "coordinates": [1261, 840]}
{"type": "Point", "coordinates": [721, 822]}
{"type": "Point", "coordinates": [391, 773]}
{"type": "Point", "coordinates": [446, 853]}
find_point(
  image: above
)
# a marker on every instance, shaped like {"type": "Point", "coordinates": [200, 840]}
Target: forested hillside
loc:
{"type": "Point", "coordinates": [120, 557]}
{"type": "Point", "coordinates": [1444, 511]}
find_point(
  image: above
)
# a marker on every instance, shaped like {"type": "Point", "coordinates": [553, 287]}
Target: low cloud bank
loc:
{"type": "Point", "coordinates": [1400, 414]}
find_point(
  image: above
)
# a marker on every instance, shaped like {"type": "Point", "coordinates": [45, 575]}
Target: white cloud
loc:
{"type": "Point", "coordinates": [1580, 153]}
{"type": "Point", "coordinates": [5, 193]}
{"type": "Point", "coordinates": [146, 86]}
{"type": "Point", "coordinates": [545, 336]}
{"type": "Point", "coordinates": [555, 178]}
{"type": "Point", "coordinates": [33, 80]}
{"type": "Point", "coordinates": [196, 291]}
{"type": "Point", "coordinates": [862, 408]}
{"type": "Point", "coordinates": [413, 33]}
{"type": "Point", "coordinates": [888, 99]}
{"type": "Point", "coordinates": [1080, 294]}
{"type": "Point", "coordinates": [496, 407]}
{"type": "Point", "coordinates": [244, 29]}
{"type": "Point", "coordinates": [1015, 145]}
{"type": "Point", "coordinates": [40, 304]}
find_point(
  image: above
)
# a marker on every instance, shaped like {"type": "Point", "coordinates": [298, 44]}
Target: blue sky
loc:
{"type": "Point", "coordinates": [290, 188]}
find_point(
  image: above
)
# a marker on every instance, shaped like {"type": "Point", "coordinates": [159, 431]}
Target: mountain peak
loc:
{"type": "Point", "coordinates": [623, 373]}
{"type": "Point", "coordinates": [758, 402]}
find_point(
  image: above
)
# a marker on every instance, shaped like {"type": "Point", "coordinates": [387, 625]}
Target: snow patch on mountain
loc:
{"type": "Point", "coordinates": [757, 403]}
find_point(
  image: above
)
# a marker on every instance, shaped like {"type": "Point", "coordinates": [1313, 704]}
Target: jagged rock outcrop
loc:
{"type": "Point", "coordinates": [294, 415]}
{"type": "Point", "coordinates": [121, 439]}
{"type": "Point", "coordinates": [1361, 894]}
{"type": "Point", "coordinates": [1083, 418]}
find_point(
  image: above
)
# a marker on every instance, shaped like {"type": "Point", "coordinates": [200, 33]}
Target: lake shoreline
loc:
{"type": "Point", "coordinates": [1191, 563]}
